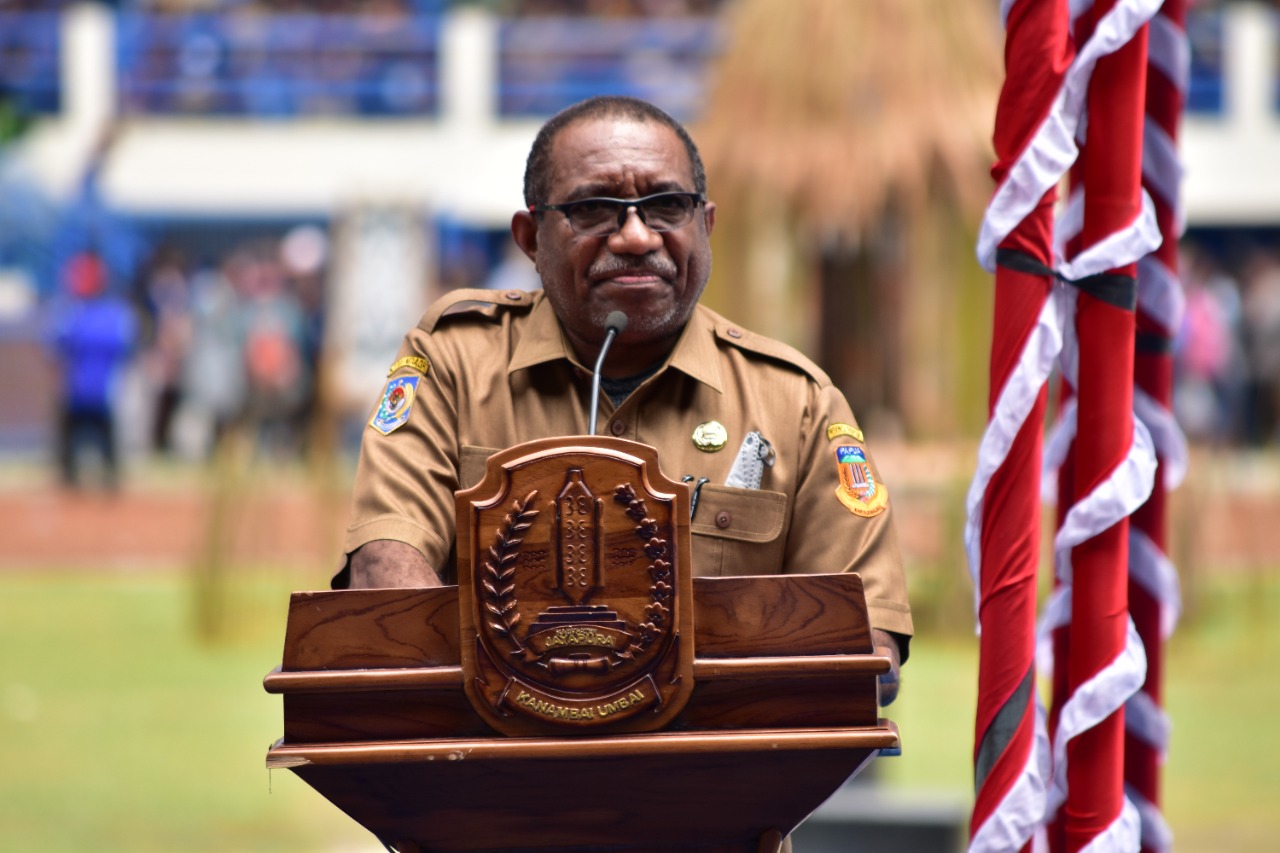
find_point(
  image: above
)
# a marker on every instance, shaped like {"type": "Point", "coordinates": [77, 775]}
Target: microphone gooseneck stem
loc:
{"type": "Point", "coordinates": [595, 378]}
{"type": "Point", "coordinates": [613, 325]}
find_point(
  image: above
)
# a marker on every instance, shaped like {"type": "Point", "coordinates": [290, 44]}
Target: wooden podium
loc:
{"type": "Point", "coordinates": [579, 689]}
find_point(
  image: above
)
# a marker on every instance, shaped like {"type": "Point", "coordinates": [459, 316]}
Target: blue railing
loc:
{"type": "Point", "coordinates": [279, 65]}
{"type": "Point", "coordinates": [546, 64]}
{"type": "Point", "coordinates": [30, 59]}
{"type": "Point", "coordinates": [1205, 87]}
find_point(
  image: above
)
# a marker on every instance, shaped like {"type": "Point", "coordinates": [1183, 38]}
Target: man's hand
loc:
{"type": "Point", "coordinates": [885, 644]}
{"type": "Point", "coordinates": [385, 563]}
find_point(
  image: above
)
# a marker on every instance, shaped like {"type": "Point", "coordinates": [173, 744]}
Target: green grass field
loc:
{"type": "Point", "coordinates": [121, 731]}
{"type": "Point", "coordinates": [1221, 782]}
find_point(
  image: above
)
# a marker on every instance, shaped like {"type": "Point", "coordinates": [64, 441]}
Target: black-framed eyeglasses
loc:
{"type": "Point", "coordinates": [600, 217]}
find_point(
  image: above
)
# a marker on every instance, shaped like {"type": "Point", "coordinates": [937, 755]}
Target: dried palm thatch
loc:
{"type": "Point", "coordinates": [847, 144]}
{"type": "Point", "coordinates": [840, 107]}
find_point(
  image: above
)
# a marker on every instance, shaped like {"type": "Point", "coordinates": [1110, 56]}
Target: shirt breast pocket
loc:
{"type": "Point", "coordinates": [472, 465]}
{"type": "Point", "coordinates": [738, 531]}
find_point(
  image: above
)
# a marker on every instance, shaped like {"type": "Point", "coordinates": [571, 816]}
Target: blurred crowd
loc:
{"type": "Point", "coordinates": [597, 8]}
{"type": "Point", "coordinates": [1227, 356]}
{"type": "Point", "coordinates": [191, 349]}
{"type": "Point", "coordinates": [381, 57]}
{"type": "Point", "coordinates": [282, 58]}
{"type": "Point", "coordinates": [279, 57]}
{"type": "Point", "coordinates": [605, 8]}
{"type": "Point", "coordinates": [611, 8]}
{"type": "Point", "coordinates": [189, 352]}
{"type": "Point", "coordinates": [32, 5]}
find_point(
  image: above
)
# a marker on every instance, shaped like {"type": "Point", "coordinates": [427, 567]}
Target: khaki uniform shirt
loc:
{"type": "Point", "coordinates": [499, 370]}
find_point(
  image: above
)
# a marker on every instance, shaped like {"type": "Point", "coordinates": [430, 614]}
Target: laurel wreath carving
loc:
{"type": "Point", "coordinates": [500, 570]}
{"type": "Point", "coordinates": [656, 549]}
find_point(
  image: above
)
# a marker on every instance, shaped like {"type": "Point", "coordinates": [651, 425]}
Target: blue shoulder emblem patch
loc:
{"type": "Point", "coordinates": [397, 401]}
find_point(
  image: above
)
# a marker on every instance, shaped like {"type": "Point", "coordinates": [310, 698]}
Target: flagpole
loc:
{"type": "Point", "coordinates": [1105, 329]}
{"type": "Point", "coordinates": [1153, 596]}
{"type": "Point", "coordinates": [1021, 780]}
{"type": "Point", "coordinates": [1003, 530]}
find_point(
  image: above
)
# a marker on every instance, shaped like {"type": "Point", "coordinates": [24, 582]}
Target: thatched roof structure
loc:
{"type": "Point", "coordinates": [847, 143]}
{"type": "Point", "coordinates": [838, 106]}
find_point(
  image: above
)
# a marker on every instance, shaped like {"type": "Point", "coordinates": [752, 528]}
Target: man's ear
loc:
{"type": "Point", "coordinates": [524, 230]}
{"type": "Point", "coordinates": [709, 216]}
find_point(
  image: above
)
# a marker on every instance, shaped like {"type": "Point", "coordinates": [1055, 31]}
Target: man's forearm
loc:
{"type": "Point", "coordinates": [386, 563]}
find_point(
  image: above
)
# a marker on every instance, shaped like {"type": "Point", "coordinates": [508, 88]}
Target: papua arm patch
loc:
{"type": "Point", "coordinates": [397, 402]}
{"type": "Point", "coordinates": [858, 489]}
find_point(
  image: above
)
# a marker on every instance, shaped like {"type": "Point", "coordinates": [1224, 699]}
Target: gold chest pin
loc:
{"type": "Point", "coordinates": [710, 436]}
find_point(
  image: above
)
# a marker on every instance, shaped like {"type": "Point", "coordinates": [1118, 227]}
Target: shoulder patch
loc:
{"type": "Point", "coordinates": [397, 402]}
{"type": "Point", "coordinates": [419, 364]}
{"type": "Point", "coordinates": [836, 430]}
{"type": "Point", "coordinates": [770, 348]}
{"type": "Point", "coordinates": [476, 302]}
{"type": "Point", "coordinates": [858, 490]}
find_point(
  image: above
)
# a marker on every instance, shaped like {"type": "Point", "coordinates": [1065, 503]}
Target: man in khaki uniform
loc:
{"type": "Point", "coordinates": [617, 219]}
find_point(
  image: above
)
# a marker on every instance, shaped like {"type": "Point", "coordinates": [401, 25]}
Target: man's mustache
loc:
{"type": "Point", "coordinates": [611, 266]}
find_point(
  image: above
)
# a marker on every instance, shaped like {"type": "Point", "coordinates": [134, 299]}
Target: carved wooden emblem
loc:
{"type": "Point", "coordinates": [575, 587]}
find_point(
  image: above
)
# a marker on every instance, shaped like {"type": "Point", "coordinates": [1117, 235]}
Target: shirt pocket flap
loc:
{"type": "Point", "coordinates": [748, 515]}
{"type": "Point", "coordinates": [471, 465]}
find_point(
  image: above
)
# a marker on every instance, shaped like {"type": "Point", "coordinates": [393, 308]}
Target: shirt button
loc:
{"type": "Point", "coordinates": [514, 295]}
{"type": "Point", "coordinates": [723, 519]}
{"type": "Point", "coordinates": [734, 332]}
{"type": "Point", "coordinates": [617, 427]}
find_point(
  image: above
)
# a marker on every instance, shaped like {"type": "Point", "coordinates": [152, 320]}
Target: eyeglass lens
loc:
{"type": "Point", "coordinates": [597, 216]}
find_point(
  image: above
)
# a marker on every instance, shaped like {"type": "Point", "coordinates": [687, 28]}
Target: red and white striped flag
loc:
{"type": "Point", "coordinates": [1088, 328]}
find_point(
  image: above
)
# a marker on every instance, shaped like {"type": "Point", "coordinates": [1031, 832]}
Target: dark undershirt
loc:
{"type": "Point", "coordinates": [618, 390]}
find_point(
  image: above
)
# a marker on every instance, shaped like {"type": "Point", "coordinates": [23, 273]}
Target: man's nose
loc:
{"type": "Point", "coordinates": [634, 237]}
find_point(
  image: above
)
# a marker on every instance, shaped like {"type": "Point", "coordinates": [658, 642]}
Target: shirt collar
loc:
{"type": "Point", "coordinates": [543, 340]}
{"type": "Point", "coordinates": [695, 352]}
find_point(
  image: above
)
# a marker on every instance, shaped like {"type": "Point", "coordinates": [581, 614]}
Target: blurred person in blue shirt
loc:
{"type": "Point", "coordinates": [92, 336]}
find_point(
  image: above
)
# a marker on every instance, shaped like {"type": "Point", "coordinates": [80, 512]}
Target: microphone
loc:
{"type": "Point", "coordinates": [614, 325]}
